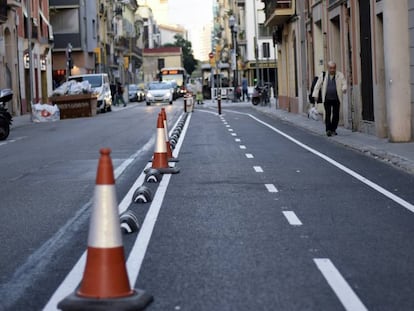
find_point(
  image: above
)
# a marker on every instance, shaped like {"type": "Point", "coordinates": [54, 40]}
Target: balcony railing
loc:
{"type": "Point", "coordinates": [278, 11]}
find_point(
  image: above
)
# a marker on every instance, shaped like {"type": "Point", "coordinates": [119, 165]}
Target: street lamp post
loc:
{"type": "Point", "coordinates": [234, 28]}
{"type": "Point", "coordinates": [275, 41]}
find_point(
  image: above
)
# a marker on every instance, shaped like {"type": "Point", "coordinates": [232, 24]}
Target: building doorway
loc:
{"type": "Point", "coordinates": [366, 61]}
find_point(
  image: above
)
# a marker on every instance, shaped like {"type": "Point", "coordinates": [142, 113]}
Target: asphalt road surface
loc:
{"type": "Point", "coordinates": [262, 216]}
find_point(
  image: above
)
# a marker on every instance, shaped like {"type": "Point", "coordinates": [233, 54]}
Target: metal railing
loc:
{"type": "Point", "coordinates": [272, 5]}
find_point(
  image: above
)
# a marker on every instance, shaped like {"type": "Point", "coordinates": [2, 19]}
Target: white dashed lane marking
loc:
{"type": "Point", "coordinates": [243, 147]}
{"type": "Point", "coordinates": [233, 134]}
{"type": "Point", "coordinates": [249, 156]}
{"type": "Point", "coordinates": [237, 140]}
{"type": "Point", "coordinates": [258, 169]}
{"type": "Point", "coordinates": [271, 188]}
{"type": "Point", "coordinates": [292, 218]}
{"type": "Point", "coordinates": [230, 130]}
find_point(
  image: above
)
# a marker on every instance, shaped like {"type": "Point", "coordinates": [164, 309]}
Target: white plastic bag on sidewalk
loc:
{"type": "Point", "coordinates": [45, 113]}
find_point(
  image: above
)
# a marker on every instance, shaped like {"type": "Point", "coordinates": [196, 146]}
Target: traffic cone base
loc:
{"type": "Point", "coordinates": [137, 301]}
{"type": "Point", "coordinates": [99, 281]}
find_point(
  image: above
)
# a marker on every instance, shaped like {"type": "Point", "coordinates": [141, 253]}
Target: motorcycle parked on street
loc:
{"type": "Point", "coordinates": [6, 95]}
{"type": "Point", "coordinates": [260, 95]}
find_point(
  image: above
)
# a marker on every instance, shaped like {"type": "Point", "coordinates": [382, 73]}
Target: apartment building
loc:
{"type": "Point", "coordinates": [14, 52]}
{"type": "Point", "coordinates": [75, 29]}
{"type": "Point", "coordinates": [370, 40]}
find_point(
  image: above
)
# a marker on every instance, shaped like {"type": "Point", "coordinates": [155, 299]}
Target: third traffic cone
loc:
{"type": "Point", "coordinates": [167, 139]}
{"type": "Point", "coordinates": [160, 159]}
{"type": "Point", "coordinates": [105, 284]}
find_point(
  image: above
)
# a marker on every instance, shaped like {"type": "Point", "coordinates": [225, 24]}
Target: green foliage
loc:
{"type": "Point", "coordinates": [190, 62]}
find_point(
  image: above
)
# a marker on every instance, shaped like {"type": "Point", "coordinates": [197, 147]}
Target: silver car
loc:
{"type": "Point", "coordinates": [159, 92]}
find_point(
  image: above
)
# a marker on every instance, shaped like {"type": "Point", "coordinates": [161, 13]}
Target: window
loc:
{"type": "Point", "coordinates": [161, 63]}
{"type": "Point", "coordinates": [264, 31]}
{"type": "Point", "coordinates": [266, 50]}
{"type": "Point", "coordinates": [65, 21]}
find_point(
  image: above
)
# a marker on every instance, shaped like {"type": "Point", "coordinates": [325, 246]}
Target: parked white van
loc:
{"type": "Point", "coordinates": [100, 86]}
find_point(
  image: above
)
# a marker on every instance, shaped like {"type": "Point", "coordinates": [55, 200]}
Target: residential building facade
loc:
{"type": "Point", "coordinates": [74, 24]}
{"type": "Point", "coordinates": [371, 43]}
{"type": "Point", "coordinates": [158, 58]}
{"type": "Point", "coordinates": [14, 53]}
{"type": "Point", "coordinates": [258, 57]}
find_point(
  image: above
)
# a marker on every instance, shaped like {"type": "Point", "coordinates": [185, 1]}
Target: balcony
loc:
{"type": "Point", "coordinates": [278, 12]}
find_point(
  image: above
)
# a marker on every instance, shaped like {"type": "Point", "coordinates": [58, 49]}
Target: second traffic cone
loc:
{"type": "Point", "coordinates": [105, 284]}
{"type": "Point", "coordinates": [160, 159]}
{"type": "Point", "coordinates": [167, 139]}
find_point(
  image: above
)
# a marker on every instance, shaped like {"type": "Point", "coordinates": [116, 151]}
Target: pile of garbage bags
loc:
{"type": "Point", "coordinates": [45, 113]}
{"type": "Point", "coordinates": [73, 88]}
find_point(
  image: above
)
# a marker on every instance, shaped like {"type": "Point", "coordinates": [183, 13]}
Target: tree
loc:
{"type": "Point", "coordinates": [190, 63]}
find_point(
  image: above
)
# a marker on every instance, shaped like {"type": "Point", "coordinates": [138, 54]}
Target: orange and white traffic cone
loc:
{"type": "Point", "coordinates": [167, 139]}
{"type": "Point", "coordinates": [105, 284]}
{"type": "Point", "coordinates": [160, 159]}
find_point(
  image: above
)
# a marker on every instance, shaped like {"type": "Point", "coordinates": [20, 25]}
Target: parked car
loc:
{"type": "Point", "coordinates": [133, 92]}
{"type": "Point", "coordinates": [159, 92]}
{"type": "Point", "coordinates": [100, 87]}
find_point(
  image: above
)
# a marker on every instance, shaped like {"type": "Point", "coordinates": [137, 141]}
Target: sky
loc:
{"type": "Point", "coordinates": [190, 12]}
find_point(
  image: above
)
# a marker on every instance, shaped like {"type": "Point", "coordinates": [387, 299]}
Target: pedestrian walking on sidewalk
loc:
{"type": "Point", "coordinates": [245, 88]}
{"type": "Point", "coordinates": [333, 86]}
{"type": "Point", "coordinates": [119, 95]}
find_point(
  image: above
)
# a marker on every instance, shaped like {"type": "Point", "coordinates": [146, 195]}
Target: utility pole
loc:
{"type": "Point", "coordinates": [29, 41]}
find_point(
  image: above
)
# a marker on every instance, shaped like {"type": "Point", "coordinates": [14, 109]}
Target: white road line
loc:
{"type": "Point", "coordinates": [258, 169]}
{"type": "Point", "coordinates": [12, 140]}
{"type": "Point", "coordinates": [230, 130]}
{"type": "Point", "coordinates": [343, 291]}
{"type": "Point", "coordinates": [233, 134]}
{"type": "Point", "coordinates": [237, 140]}
{"type": "Point", "coordinates": [271, 188]}
{"type": "Point", "coordinates": [340, 166]}
{"type": "Point", "coordinates": [292, 218]}
{"type": "Point", "coordinates": [137, 254]}
{"type": "Point", "coordinates": [75, 275]}
{"type": "Point", "coordinates": [227, 125]}
{"type": "Point", "coordinates": [249, 156]}
{"type": "Point", "coordinates": [243, 147]}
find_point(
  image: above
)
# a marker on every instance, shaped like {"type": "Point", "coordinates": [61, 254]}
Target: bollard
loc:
{"type": "Point", "coordinates": [185, 104]}
{"type": "Point", "coordinates": [219, 104]}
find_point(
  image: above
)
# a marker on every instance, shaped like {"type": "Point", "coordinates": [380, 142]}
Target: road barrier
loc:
{"type": "Point", "coordinates": [189, 103]}
{"type": "Point", "coordinates": [219, 104]}
{"type": "Point", "coordinates": [224, 93]}
{"type": "Point", "coordinates": [105, 284]}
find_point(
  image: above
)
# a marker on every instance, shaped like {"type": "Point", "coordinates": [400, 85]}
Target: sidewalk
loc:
{"type": "Point", "coordinates": [400, 155]}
